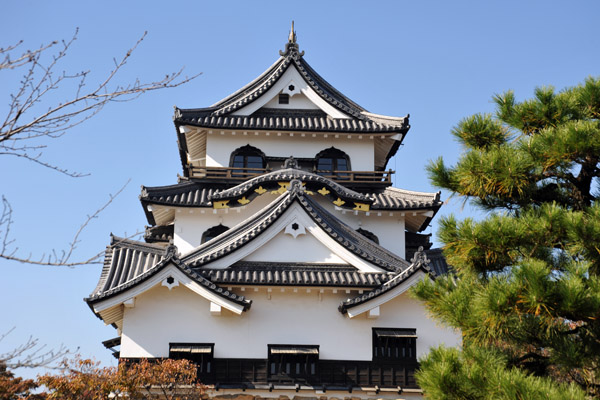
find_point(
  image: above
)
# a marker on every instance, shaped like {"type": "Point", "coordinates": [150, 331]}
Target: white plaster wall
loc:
{"type": "Point", "coordinates": [220, 146]}
{"type": "Point", "coordinates": [389, 229]}
{"type": "Point", "coordinates": [190, 223]}
{"type": "Point", "coordinates": [291, 77]}
{"type": "Point", "coordinates": [161, 316]}
{"type": "Point", "coordinates": [297, 102]}
{"type": "Point", "coordinates": [286, 248]}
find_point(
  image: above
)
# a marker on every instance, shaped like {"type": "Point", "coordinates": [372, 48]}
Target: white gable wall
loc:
{"type": "Point", "coordinates": [296, 102]}
{"type": "Point", "coordinates": [291, 77]}
{"type": "Point", "coordinates": [161, 316]}
{"type": "Point", "coordinates": [285, 248]}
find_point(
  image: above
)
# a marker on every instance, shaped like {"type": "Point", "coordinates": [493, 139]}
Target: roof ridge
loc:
{"type": "Point", "coordinates": [414, 192]}
{"type": "Point", "coordinates": [367, 249]}
{"type": "Point", "coordinates": [285, 175]}
{"type": "Point", "coordinates": [116, 241]}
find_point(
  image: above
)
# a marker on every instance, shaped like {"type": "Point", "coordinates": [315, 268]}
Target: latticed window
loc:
{"type": "Point", "coordinates": [292, 361]}
{"type": "Point", "coordinates": [390, 344]}
{"type": "Point", "coordinates": [201, 354]}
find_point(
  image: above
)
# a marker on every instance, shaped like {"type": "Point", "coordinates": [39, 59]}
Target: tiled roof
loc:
{"type": "Point", "coordinates": [438, 263]}
{"type": "Point", "coordinates": [126, 259]}
{"type": "Point", "coordinates": [129, 263]}
{"type": "Point", "coordinates": [185, 193]}
{"type": "Point", "coordinates": [243, 233]}
{"type": "Point", "coordinates": [399, 199]}
{"type": "Point", "coordinates": [419, 262]}
{"type": "Point", "coordinates": [283, 122]}
{"type": "Point", "coordinates": [191, 193]}
{"type": "Point", "coordinates": [282, 274]}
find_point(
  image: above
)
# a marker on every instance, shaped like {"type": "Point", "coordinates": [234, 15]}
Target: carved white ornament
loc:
{"type": "Point", "coordinates": [170, 282]}
{"type": "Point", "coordinates": [295, 228]}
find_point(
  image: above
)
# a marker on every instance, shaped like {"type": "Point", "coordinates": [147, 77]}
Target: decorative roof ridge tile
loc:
{"type": "Point", "coordinates": [289, 174]}
{"type": "Point", "coordinates": [159, 233]}
{"type": "Point", "coordinates": [418, 262]}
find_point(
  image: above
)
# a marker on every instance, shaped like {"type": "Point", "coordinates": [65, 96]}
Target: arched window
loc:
{"type": "Point", "coordinates": [369, 235]}
{"type": "Point", "coordinates": [213, 232]}
{"type": "Point", "coordinates": [330, 160]}
{"type": "Point", "coordinates": [247, 157]}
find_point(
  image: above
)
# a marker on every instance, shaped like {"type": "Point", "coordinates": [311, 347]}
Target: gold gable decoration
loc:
{"type": "Point", "coordinates": [221, 204]}
{"type": "Point", "coordinates": [361, 207]}
{"type": "Point", "coordinates": [339, 202]}
{"type": "Point", "coordinates": [283, 187]}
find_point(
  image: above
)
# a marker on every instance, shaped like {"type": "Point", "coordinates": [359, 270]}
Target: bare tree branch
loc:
{"type": "Point", "coordinates": [45, 105]}
{"type": "Point", "coordinates": [31, 354]}
{"type": "Point", "coordinates": [24, 119]}
{"type": "Point", "coordinates": [52, 258]}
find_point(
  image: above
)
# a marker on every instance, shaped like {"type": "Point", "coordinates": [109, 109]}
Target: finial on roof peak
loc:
{"type": "Point", "coordinates": [291, 47]}
{"type": "Point", "coordinates": [292, 36]}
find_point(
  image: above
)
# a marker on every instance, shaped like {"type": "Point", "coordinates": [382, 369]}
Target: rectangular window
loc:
{"type": "Point", "coordinates": [284, 98]}
{"type": "Point", "coordinates": [394, 344]}
{"type": "Point", "coordinates": [200, 354]}
{"type": "Point", "coordinates": [292, 362]}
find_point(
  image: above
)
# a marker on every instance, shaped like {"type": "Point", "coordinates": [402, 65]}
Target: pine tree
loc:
{"type": "Point", "coordinates": [525, 292]}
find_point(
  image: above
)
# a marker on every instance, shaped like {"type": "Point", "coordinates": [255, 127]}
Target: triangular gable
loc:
{"type": "Point", "coordinates": [292, 83]}
{"type": "Point", "coordinates": [249, 235]}
{"type": "Point", "coordinates": [281, 231]}
{"type": "Point", "coordinates": [170, 276]}
{"type": "Point", "coordinates": [111, 293]}
{"type": "Point", "coordinates": [419, 269]}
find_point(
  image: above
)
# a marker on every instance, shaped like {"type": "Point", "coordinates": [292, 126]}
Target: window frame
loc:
{"type": "Point", "coordinates": [334, 155]}
{"type": "Point", "coordinates": [247, 151]}
{"type": "Point", "coordinates": [387, 348]}
{"type": "Point", "coordinates": [292, 366]}
{"type": "Point", "coordinates": [204, 361]}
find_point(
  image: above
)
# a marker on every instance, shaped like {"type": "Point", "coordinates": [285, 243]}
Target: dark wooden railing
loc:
{"type": "Point", "coordinates": [228, 173]}
{"type": "Point", "coordinates": [242, 174]}
{"type": "Point", "coordinates": [331, 373]}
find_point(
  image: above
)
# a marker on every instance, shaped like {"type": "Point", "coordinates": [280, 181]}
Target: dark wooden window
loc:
{"type": "Point", "coordinates": [284, 98]}
{"type": "Point", "coordinates": [292, 362]}
{"type": "Point", "coordinates": [247, 157]}
{"type": "Point", "coordinates": [213, 232]}
{"type": "Point", "coordinates": [391, 344]}
{"type": "Point", "coordinates": [201, 354]}
{"type": "Point", "coordinates": [368, 234]}
{"type": "Point", "coordinates": [330, 160]}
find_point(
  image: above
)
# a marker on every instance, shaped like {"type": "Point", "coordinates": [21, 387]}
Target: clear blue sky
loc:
{"type": "Point", "coordinates": [437, 60]}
